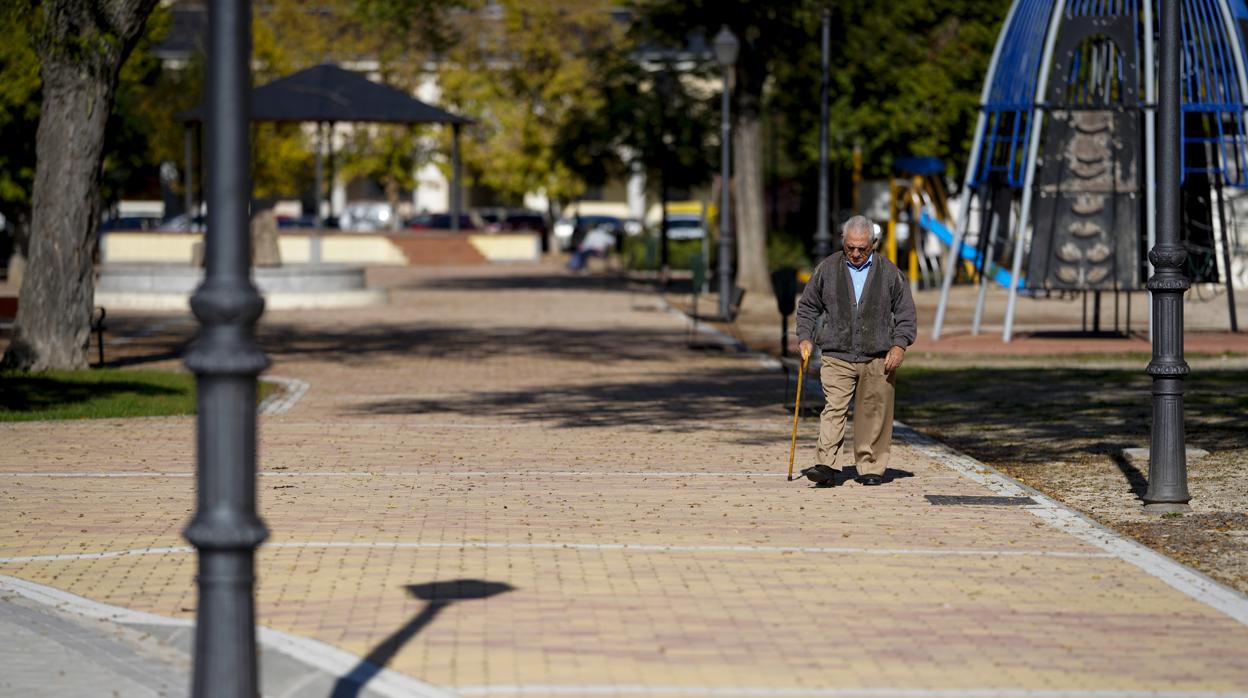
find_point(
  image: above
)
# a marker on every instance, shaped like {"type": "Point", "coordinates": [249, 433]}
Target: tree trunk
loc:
{"type": "Point", "coordinates": [751, 228]}
{"type": "Point", "coordinates": [81, 50]}
{"type": "Point", "coordinates": [392, 198]}
{"type": "Point", "coordinates": [19, 224]}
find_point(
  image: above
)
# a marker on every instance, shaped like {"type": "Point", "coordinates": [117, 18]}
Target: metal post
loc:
{"type": "Point", "coordinates": [1226, 254]}
{"type": "Point", "coordinates": [1231, 27]}
{"type": "Point", "coordinates": [726, 48]}
{"type": "Point", "coordinates": [1150, 141]}
{"type": "Point", "coordinates": [314, 240]}
{"type": "Point", "coordinates": [665, 91]}
{"type": "Point", "coordinates": [188, 176]}
{"type": "Point", "coordinates": [725, 216]}
{"type": "Point", "coordinates": [320, 175]}
{"type": "Point", "coordinates": [330, 162]}
{"type": "Point", "coordinates": [457, 191]}
{"type": "Point", "coordinates": [1029, 178]}
{"type": "Point", "coordinates": [226, 359]}
{"type": "Point", "coordinates": [984, 260]}
{"type": "Point", "coordinates": [1167, 461]}
{"type": "Point", "coordinates": [856, 179]}
{"type": "Point", "coordinates": [663, 246]}
{"type": "Point", "coordinates": [823, 238]}
{"type": "Point", "coordinates": [962, 224]}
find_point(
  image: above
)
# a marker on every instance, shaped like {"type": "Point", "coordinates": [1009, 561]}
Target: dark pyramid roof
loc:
{"type": "Point", "coordinates": [329, 93]}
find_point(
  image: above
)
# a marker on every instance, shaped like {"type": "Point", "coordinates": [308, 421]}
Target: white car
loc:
{"type": "Point", "coordinates": [366, 216]}
{"type": "Point", "coordinates": [684, 227]}
{"type": "Point", "coordinates": [563, 233]}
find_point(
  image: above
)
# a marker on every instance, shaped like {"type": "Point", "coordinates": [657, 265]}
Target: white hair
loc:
{"type": "Point", "coordinates": [862, 224]}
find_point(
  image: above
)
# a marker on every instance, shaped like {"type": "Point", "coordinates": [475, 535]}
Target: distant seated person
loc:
{"type": "Point", "coordinates": [597, 243]}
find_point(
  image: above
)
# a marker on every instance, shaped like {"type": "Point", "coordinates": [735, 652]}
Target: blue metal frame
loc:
{"type": "Point", "coordinates": [1210, 85]}
{"type": "Point", "coordinates": [1209, 81]}
{"type": "Point", "coordinates": [1010, 109]}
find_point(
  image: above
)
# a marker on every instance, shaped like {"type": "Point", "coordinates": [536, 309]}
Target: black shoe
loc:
{"type": "Point", "coordinates": [821, 475]}
{"type": "Point", "coordinates": [869, 480]}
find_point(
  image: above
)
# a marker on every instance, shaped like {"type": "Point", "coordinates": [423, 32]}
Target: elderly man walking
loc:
{"type": "Point", "coordinates": [870, 322]}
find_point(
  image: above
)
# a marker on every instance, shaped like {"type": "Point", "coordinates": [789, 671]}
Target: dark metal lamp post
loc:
{"type": "Point", "coordinates": [726, 48]}
{"type": "Point", "coordinates": [823, 237]}
{"type": "Point", "coordinates": [1167, 455]}
{"type": "Point", "coordinates": [665, 87]}
{"type": "Point", "coordinates": [226, 359]}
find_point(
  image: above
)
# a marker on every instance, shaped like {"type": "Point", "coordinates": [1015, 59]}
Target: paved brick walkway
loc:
{"type": "Point", "coordinates": [619, 503]}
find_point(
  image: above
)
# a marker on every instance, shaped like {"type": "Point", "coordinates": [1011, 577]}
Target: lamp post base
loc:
{"type": "Point", "coordinates": [1158, 508]}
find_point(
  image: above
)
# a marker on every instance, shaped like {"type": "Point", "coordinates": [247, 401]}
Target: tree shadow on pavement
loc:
{"type": "Point", "coordinates": [555, 281]}
{"type": "Point", "coordinates": [438, 595]}
{"type": "Point", "coordinates": [362, 344]}
{"type": "Point", "coordinates": [1036, 416]}
{"type": "Point", "coordinates": [681, 402]}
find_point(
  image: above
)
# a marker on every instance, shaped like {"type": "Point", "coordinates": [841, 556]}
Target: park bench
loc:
{"type": "Point", "coordinates": [8, 315]}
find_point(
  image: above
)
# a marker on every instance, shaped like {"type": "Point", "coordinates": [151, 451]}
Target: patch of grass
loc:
{"type": "Point", "coordinates": [98, 393]}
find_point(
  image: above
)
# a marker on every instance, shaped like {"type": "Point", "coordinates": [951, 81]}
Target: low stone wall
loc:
{"type": "Point", "coordinates": [336, 248]}
{"type": "Point", "coordinates": [168, 286]}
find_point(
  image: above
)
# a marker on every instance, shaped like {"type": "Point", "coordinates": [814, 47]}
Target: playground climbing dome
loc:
{"type": "Point", "coordinates": [1060, 183]}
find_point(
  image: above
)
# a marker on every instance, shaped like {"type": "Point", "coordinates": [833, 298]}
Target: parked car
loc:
{"type": "Point", "coordinates": [491, 220]}
{"type": "Point", "coordinates": [684, 227]}
{"type": "Point", "coordinates": [366, 216]}
{"type": "Point", "coordinates": [570, 231]}
{"type": "Point", "coordinates": [130, 223]}
{"type": "Point", "coordinates": [440, 221]}
{"type": "Point", "coordinates": [296, 221]}
{"type": "Point", "coordinates": [182, 223]}
{"type": "Point", "coordinates": [526, 220]}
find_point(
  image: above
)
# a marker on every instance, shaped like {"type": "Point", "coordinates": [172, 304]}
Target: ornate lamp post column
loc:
{"type": "Point", "coordinates": [726, 47]}
{"type": "Point", "coordinates": [823, 238]}
{"type": "Point", "coordinates": [1167, 456]}
{"type": "Point", "coordinates": [226, 360]}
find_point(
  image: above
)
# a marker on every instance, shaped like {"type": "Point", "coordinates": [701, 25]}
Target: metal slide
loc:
{"type": "Point", "coordinates": [968, 252]}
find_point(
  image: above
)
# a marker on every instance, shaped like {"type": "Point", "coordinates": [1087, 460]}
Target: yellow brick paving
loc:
{"type": "Point", "coordinates": [495, 425]}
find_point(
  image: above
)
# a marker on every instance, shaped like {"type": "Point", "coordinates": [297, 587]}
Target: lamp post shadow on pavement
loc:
{"type": "Point", "coordinates": [439, 596]}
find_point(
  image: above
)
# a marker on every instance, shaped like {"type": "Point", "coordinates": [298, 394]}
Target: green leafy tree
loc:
{"type": "Point", "coordinates": [289, 36]}
{"type": "Point", "coordinates": [658, 121]}
{"type": "Point", "coordinates": [19, 119]}
{"type": "Point", "coordinates": [389, 154]}
{"type": "Point", "coordinates": [906, 79]}
{"type": "Point", "coordinates": [525, 77]}
{"type": "Point", "coordinates": [81, 47]}
{"type": "Point", "coordinates": [767, 33]}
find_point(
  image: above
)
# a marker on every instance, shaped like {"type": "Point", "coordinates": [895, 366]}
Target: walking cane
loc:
{"type": "Point", "coordinates": [797, 406]}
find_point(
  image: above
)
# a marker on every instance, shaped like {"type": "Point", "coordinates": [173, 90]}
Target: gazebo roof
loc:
{"type": "Point", "coordinates": [329, 93]}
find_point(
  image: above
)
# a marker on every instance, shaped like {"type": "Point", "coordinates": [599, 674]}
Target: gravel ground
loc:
{"type": "Point", "coordinates": [1063, 432]}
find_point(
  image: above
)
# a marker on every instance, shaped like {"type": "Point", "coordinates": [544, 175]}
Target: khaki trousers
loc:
{"type": "Point", "coordinates": [873, 391]}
